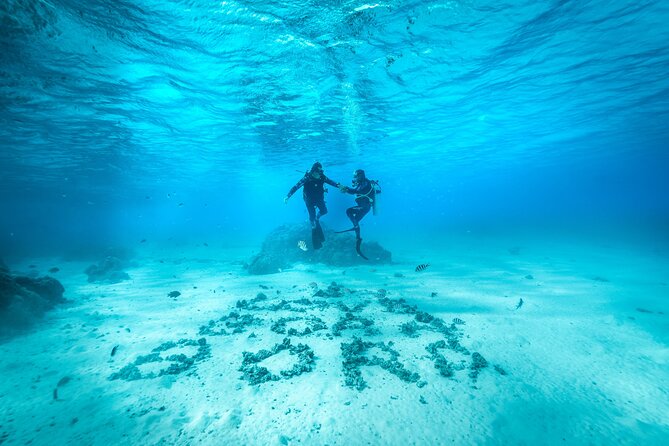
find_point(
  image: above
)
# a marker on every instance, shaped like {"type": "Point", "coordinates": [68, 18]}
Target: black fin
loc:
{"type": "Point", "coordinates": [358, 241]}
{"type": "Point", "coordinates": [345, 230]}
{"type": "Point", "coordinates": [317, 237]}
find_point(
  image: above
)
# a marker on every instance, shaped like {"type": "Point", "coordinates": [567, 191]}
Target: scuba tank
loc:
{"type": "Point", "coordinates": [376, 190]}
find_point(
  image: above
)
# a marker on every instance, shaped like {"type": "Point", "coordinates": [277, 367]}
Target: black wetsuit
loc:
{"type": "Point", "coordinates": [313, 194]}
{"type": "Point", "coordinates": [365, 196]}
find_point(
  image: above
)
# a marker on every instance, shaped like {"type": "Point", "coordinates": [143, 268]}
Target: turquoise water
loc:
{"type": "Point", "coordinates": [470, 113]}
{"type": "Point", "coordinates": [522, 148]}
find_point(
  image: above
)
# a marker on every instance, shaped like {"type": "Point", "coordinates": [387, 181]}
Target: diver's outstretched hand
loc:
{"type": "Point", "coordinates": [341, 187]}
{"type": "Point", "coordinates": [285, 200]}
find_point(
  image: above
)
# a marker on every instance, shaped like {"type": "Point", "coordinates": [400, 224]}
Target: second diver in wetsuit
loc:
{"type": "Point", "coordinates": [313, 193]}
{"type": "Point", "coordinates": [365, 191]}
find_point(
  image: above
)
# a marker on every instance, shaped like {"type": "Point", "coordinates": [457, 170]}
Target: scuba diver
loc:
{"type": "Point", "coordinates": [365, 192]}
{"type": "Point", "coordinates": [313, 193]}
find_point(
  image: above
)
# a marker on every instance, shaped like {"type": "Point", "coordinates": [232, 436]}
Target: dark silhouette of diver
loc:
{"type": "Point", "coordinates": [313, 193]}
{"type": "Point", "coordinates": [365, 191]}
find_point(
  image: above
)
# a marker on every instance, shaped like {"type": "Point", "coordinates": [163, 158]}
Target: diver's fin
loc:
{"type": "Point", "coordinates": [358, 242]}
{"type": "Point", "coordinates": [317, 237]}
{"type": "Point", "coordinates": [345, 230]}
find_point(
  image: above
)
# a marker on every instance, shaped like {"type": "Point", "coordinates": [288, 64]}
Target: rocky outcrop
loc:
{"type": "Point", "coordinates": [23, 300]}
{"type": "Point", "coordinates": [280, 250]}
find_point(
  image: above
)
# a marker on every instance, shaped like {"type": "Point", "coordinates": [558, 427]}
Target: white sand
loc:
{"type": "Point", "coordinates": [586, 354]}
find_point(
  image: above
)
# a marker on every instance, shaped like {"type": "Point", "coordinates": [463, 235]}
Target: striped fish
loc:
{"type": "Point", "coordinates": [302, 245]}
{"type": "Point", "coordinates": [458, 321]}
{"type": "Point", "coordinates": [422, 267]}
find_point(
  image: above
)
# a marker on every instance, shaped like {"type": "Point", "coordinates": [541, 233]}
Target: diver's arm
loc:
{"type": "Point", "coordinates": [330, 182]}
{"type": "Point", "coordinates": [295, 188]}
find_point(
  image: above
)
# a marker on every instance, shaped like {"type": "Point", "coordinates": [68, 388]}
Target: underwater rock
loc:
{"type": "Point", "coordinates": [352, 322]}
{"type": "Point", "coordinates": [312, 323]}
{"type": "Point", "coordinates": [46, 287]}
{"type": "Point", "coordinates": [110, 270]}
{"type": "Point", "coordinates": [410, 329]}
{"type": "Point", "coordinates": [280, 250]}
{"type": "Point", "coordinates": [355, 356]}
{"type": "Point", "coordinates": [178, 363]}
{"type": "Point", "coordinates": [333, 290]}
{"type": "Point", "coordinates": [24, 299]}
{"type": "Point", "coordinates": [233, 321]}
{"type": "Point", "coordinates": [424, 317]}
{"type": "Point", "coordinates": [256, 374]}
{"type": "Point", "coordinates": [478, 363]}
{"type": "Point", "coordinates": [395, 305]}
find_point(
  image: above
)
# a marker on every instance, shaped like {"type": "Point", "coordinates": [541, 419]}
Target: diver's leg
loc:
{"type": "Point", "coordinates": [311, 208]}
{"type": "Point", "coordinates": [322, 209]}
{"type": "Point", "coordinates": [351, 214]}
{"type": "Point", "coordinates": [363, 211]}
{"type": "Point", "coordinates": [358, 214]}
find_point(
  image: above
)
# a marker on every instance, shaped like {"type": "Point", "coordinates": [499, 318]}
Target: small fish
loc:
{"type": "Point", "coordinates": [181, 204]}
{"type": "Point", "coordinates": [174, 294]}
{"type": "Point", "coordinates": [114, 350]}
{"type": "Point", "coordinates": [142, 240]}
{"type": "Point", "coordinates": [54, 270]}
{"type": "Point", "coordinates": [422, 267]}
{"type": "Point", "coordinates": [64, 380]}
{"type": "Point", "coordinates": [458, 321]}
{"type": "Point", "coordinates": [519, 304]}
{"type": "Point", "coordinates": [55, 394]}
{"type": "Point", "coordinates": [302, 245]}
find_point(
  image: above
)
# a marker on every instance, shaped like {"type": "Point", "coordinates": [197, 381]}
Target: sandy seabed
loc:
{"type": "Point", "coordinates": [499, 343]}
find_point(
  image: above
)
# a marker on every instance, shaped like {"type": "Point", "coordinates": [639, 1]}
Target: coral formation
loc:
{"type": "Point", "coordinates": [312, 324]}
{"type": "Point", "coordinates": [109, 270]}
{"type": "Point", "coordinates": [352, 322]}
{"type": "Point", "coordinates": [25, 299]}
{"type": "Point", "coordinates": [355, 356]}
{"type": "Point", "coordinates": [257, 374]}
{"type": "Point", "coordinates": [280, 250]}
{"type": "Point", "coordinates": [178, 363]}
{"type": "Point", "coordinates": [234, 321]}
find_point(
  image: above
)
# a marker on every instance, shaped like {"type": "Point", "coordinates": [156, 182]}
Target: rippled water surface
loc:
{"type": "Point", "coordinates": [462, 108]}
{"type": "Point", "coordinates": [142, 85]}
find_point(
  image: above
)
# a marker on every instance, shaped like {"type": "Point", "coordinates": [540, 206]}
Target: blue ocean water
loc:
{"type": "Point", "coordinates": [469, 112]}
{"type": "Point", "coordinates": [522, 149]}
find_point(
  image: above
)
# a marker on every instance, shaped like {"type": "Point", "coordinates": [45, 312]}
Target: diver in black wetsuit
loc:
{"type": "Point", "coordinates": [313, 193]}
{"type": "Point", "coordinates": [365, 191]}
